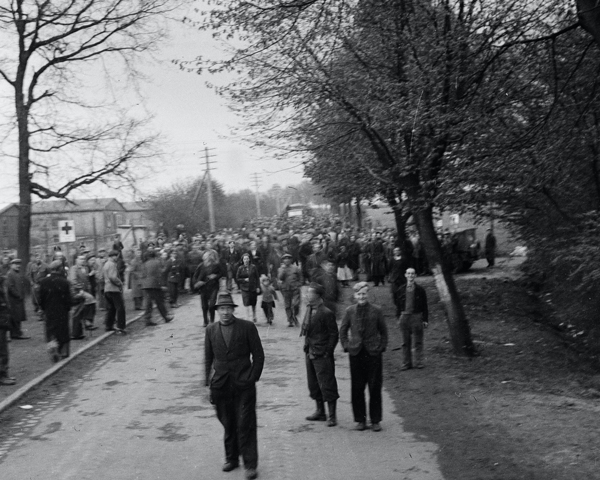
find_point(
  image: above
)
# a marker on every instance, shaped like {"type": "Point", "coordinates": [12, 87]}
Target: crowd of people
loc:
{"type": "Point", "coordinates": [263, 259]}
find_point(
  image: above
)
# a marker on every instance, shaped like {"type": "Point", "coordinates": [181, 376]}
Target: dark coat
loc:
{"type": "Point", "coordinates": [210, 284]}
{"type": "Point", "coordinates": [232, 259]}
{"type": "Point", "coordinates": [378, 259]}
{"type": "Point", "coordinates": [420, 301]}
{"type": "Point", "coordinates": [55, 300]}
{"type": "Point", "coordinates": [321, 332]}
{"type": "Point", "coordinates": [249, 273]}
{"type": "Point", "coordinates": [373, 335]}
{"type": "Point", "coordinates": [5, 321]}
{"type": "Point", "coordinates": [15, 286]}
{"type": "Point", "coordinates": [152, 273]}
{"type": "Point", "coordinates": [172, 270]}
{"type": "Point", "coordinates": [398, 269]}
{"type": "Point", "coordinates": [232, 366]}
{"type": "Point", "coordinates": [354, 251]}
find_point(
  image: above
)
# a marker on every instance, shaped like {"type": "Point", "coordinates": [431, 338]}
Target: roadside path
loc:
{"type": "Point", "coordinates": [141, 412]}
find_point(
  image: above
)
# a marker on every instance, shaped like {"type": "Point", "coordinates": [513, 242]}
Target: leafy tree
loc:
{"type": "Point", "coordinates": [415, 78]}
{"type": "Point", "coordinates": [64, 140]}
{"type": "Point", "coordinates": [182, 203]}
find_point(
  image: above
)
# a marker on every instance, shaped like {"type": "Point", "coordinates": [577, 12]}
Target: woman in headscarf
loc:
{"type": "Point", "coordinates": [206, 280]}
{"type": "Point", "coordinates": [248, 280]}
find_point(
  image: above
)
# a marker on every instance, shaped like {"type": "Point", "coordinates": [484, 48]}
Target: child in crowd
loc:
{"type": "Point", "coordinates": [269, 295]}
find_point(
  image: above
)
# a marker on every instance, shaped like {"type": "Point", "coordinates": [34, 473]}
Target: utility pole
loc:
{"type": "Point", "coordinates": [211, 208]}
{"type": "Point", "coordinates": [277, 191]}
{"type": "Point", "coordinates": [256, 179]}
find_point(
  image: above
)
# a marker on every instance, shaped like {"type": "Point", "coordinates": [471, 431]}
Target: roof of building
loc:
{"type": "Point", "coordinates": [133, 206]}
{"type": "Point", "coordinates": [75, 205]}
{"type": "Point", "coordinates": [6, 208]}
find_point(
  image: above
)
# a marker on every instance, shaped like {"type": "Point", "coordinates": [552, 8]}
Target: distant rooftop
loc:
{"type": "Point", "coordinates": [132, 206]}
{"type": "Point", "coordinates": [76, 205]}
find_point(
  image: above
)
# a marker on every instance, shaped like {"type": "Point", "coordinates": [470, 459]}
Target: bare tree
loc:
{"type": "Point", "coordinates": [67, 136]}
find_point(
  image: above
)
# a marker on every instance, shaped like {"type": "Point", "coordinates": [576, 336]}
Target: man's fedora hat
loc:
{"type": "Point", "coordinates": [224, 300]}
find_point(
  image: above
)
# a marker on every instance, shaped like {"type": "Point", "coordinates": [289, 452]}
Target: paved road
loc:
{"type": "Point", "coordinates": [141, 412]}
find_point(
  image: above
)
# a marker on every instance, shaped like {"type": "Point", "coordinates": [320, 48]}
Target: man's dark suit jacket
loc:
{"type": "Point", "coordinates": [232, 366]}
{"type": "Point", "coordinates": [372, 335]}
{"type": "Point", "coordinates": [321, 332]}
{"type": "Point", "coordinates": [420, 305]}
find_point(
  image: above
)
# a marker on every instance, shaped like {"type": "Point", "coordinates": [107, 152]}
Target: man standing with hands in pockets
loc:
{"type": "Point", "coordinates": [414, 318]}
{"type": "Point", "coordinates": [234, 360]}
{"type": "Point", "coordinates": [364, 336]}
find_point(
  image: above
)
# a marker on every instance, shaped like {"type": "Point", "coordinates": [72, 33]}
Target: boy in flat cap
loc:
{"type": "Point", "coordinates": [321, 337]}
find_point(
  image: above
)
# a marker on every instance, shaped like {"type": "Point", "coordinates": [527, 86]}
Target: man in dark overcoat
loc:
{"type": "Point", "coordinates": [15, 286]}
{"type": "Point", "coordinates": [378, 260]}
{"type": "Point", "coordinates": [5, 325]}
{"type": "Point", "coordinates": [56, 302]}
{"type": "Point", "coordinates": [414, 318]}
{"type": "Point", "coordinates": [234, 360]}
{"type": "Point", "coordinates": [398, 266]}
{"type": "Point", "coordinates": [490, 247]}
{"type": "Point", "coordinates": [321, 336]}
{"type": "Point", "coordinates": [364, 336]}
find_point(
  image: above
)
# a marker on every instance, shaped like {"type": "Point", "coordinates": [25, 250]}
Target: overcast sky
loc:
{"type": "Point", "coordinates": [190, 116]}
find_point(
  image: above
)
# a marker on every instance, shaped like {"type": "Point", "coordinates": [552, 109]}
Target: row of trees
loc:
{"type": "Point", "coordinates": [478, 105]}
{"type": "Point", "coordinates": [186, 203]}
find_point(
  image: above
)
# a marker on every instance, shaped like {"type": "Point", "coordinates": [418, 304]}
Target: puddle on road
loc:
{"type": "Point", "coordinates": [171, 434]}
{"type": "Point", "coordinates": [136, 425]}
{"type": "Point", "coordinates": [301, 429]}
{"type": "Point", "coordinates": [112, 383]}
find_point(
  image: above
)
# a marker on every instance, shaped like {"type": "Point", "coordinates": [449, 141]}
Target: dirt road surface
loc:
{"type": "Point", "coordinates": [136, 407]}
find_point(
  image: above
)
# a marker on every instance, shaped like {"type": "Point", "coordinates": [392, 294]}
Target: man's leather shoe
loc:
{"type": "Point", "coordinates": [251, 474]}
{"type": "Point", "coordinates": [406, 367]}
{"type": "Point", "coordinates": [360, 426]}
{"type": "Point", "coordinates": [151, 324]}
{"type": "Point", "coordinates": [21, 337]}
{"type": "Point", "coordinates": [91, 327]}
{"type": "Point", "coordinates": [80, 337]}
{"type": "Point", "coordinates": [7, 381]}
{"type": "Point", "coordinates": [169, 319]}
{"type": "Point", "coordinates": [376, 427]}
{"type": "Point", "coordinates": [229, 466]}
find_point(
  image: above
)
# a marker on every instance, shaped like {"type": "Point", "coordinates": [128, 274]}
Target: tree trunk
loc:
{"type": "Point", "coordinates": [460, 333]}
{"type": "Point", "coordinates": [359, 219]}
{"type": "Point", "coordinates": [588, 12]}
{"type": "Point", "coordinates": [24, 218]}
{"type": "Point", "coordinates": [400, 218]}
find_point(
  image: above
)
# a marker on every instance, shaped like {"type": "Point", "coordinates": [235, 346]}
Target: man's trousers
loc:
{"type": "Point", "coordinates": [236, 410]}
{"type": "Point", "coordinates": [291, 301]}
{"type": "Point", "coordinates": [366, 370]}
{"type": "Point", "coordinates": [115, 310]}
{"type": "Point", "coordinates": [411, 326]}
{"type": "Point", "coordinates": [154, 295]}
{"type": "Point", "coordinates": [320, 373]}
